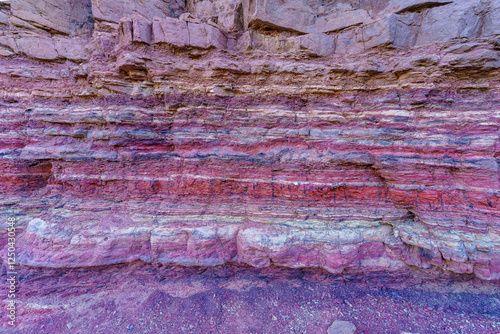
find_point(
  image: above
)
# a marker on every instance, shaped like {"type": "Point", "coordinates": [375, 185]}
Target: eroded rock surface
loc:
{"type": "Point", "coordinates": [334, 135]}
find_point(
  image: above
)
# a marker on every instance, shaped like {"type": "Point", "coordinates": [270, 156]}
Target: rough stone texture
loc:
{"type": "Point", "coordinates": [310, 28]}
{"type": "Point", "coordinates": [280, 137]}
{"type": "Point", "coordinates": [113, 11]}
{"type": "Point", "coordinates": [342, 20]}
{"type": "Point", "coordinates": [328, 185]}
{"type": "Point", "coordinates": [171, 31]}
{"type": "Point", "coordinates": [37, 47]}
{"type": "Point", "coordinates": [463, 20]}
{"type": "Point", "coordinates": [227, 13]}
{"type": "Point", "coordinates": [106, 240]}
{"type": "Point", "coordinates": [290, 15]}
{"type": "Point", "coordinates": [317, 44]}
{"type": "Point", "coordinates": [237, 299]}
{"type": "Point", "coordinates": [59, 16]}
{"type": "Point", "coordinates": [342, 327]}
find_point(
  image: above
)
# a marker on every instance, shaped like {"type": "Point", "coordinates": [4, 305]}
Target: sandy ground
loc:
{"type": "Point", "coordinates": [140, 298]}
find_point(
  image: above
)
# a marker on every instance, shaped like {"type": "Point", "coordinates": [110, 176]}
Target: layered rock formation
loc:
{"type": "Point", "coordinates": [339, 135]}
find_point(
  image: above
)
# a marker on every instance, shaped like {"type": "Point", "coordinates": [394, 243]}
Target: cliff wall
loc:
{"type": "Point", "coordinates": [343, 135]}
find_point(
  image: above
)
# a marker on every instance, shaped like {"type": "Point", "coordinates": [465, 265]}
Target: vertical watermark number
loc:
{"type": "Point", "coordinates": [11, 271]}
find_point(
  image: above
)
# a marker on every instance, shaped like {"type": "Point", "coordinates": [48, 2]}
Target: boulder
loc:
{"type": "Point", "coordinates": [45, 48]}
{"type": "Point", "coordinates": [342, 327]}
{"type": "Point", "coordinates": [142, 30]}
{"type": "Point", "coordinates": [205, 36]}
{"type": "Point", "coordinates": [417, 24]}
{"type": "Point", "coordinates": [204, 9]}
{"type": "Point", "coordinates": [245, 42]}
{"type": "Point", "coordinates": [230, 14]}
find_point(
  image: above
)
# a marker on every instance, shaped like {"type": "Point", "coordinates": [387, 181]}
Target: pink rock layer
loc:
{"type": "Point", "coordinates": [344, 136]}
{"type": "Point", "coordinates": [328, 184]}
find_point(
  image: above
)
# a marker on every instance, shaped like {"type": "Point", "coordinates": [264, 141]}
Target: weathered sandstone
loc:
{"type": "Point", "coordinates": [334, 135]}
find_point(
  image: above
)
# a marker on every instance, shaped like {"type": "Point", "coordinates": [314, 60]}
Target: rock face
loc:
{"type": "Point", "coordinates": [56, 16]}
{"type": "Point", "coordinates": [336, 135]}
{"type": "Point", "coordinates": [112, 11]}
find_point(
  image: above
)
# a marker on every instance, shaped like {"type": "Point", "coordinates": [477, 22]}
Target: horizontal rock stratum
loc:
{"type": "Point", "coordinates": [337, 135]}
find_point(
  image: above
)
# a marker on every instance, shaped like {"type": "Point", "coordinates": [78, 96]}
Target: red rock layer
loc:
{"type": "Point", "coordinates": [349, 135]}
{"type": "Point", "coordinates": [332, 182]}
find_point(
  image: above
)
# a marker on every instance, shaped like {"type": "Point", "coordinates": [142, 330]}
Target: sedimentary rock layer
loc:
{"type": "Point", "coordinates": [134, 133]}
{"type": "Point", "coordinates": [347, 184]}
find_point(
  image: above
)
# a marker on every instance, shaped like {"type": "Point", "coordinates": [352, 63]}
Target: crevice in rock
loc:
{"type": "Point", "coordinates": [422, 6]}
{"type": "Point", "coordinates": [38, 174]}
{"type": "Point", "coordinates": [268, 28]}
